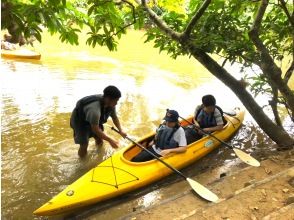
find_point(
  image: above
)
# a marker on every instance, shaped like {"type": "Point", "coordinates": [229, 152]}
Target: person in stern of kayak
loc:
{"type": "Point", "coordinates": [207, 116]}
{"type": "Point", "coordinates": [89, 115]}
{"type": "Point", "coordinates": [169, 138]}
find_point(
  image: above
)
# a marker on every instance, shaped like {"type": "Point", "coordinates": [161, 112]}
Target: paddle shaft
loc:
{"type": "Point", "coordinates": [145, 149]}
{"type": "Point", "coordinates": [207, 133]}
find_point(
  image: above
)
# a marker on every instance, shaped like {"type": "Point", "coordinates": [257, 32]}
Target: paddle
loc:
{"type": "Point", "coordinates": [197, 187]}
{"type": "Point", "coordinates": [246, 158]}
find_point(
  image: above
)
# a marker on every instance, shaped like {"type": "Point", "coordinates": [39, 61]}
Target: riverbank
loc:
{"type": "Point", "coordinates": [247, 193]}
{"type": "Point", "coordinates": [266, 192]}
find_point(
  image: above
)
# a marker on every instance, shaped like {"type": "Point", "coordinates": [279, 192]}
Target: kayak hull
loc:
{"type": "Point", "coordinates": [118, 175]}
{"type": "Point", "coordinates": [20, 54]}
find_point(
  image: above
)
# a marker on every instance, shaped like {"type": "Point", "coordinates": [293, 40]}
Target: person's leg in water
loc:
{"type": "Point", "coordinates": [81, 137]}
{"type": "Point", "coordinates": [83, 150]}
{"type": "Point", "coordinates": [98, 140]}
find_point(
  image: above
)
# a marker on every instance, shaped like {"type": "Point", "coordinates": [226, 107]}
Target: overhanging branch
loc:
{"type": "Point", "coordinates": [257, 22]}
{"type": "Point", "coordinates": [254, 32]}
{"type": "Point", "coordinates": [284, 7]}
{"type": "Point", "coordinates": [198, 14]}
{"type": "Point", "coordinates": [127, 25]}
{"type": "Point", "coordinates": [289, 72]}
{"type": "Point", "coordinates": [134, 16]}
{"type": "Point", "coordinates": [267, 64]}
{"type": "Point", "coordinates": [159, 22]}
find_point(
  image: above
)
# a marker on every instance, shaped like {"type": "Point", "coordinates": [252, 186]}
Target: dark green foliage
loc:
{"type": "Point", "coordinates": [222, 29]}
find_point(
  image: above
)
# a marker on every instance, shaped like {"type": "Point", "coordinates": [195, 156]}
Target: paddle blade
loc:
{"type": "Point", "coordinates": [246, 158]}
{"type": "Point", "coordinates": [202, 191]}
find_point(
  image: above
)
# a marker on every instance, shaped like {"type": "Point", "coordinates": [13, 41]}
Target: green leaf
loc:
{"type": "Point", "coordinates": [38, 36]}
{"type": "Point", "coordinates": [109, 44]}
{"type": "Point", "coordinates": [91, 9]}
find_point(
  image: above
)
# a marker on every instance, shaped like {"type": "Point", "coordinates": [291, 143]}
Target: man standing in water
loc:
{"type": "Point", "coordinates": [89, 115]}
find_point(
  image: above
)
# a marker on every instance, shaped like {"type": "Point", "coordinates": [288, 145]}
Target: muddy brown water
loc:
{"type": "Point", "coordinates": [39, 157]}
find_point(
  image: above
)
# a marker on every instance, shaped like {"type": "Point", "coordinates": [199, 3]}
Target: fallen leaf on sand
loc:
{"type": "Point", "coordinates": [253, 217]}
{"type": "Point", "coordinates": [267, 171]}
{"type": "Point", "coordinates": [253, 207]}
{"type": "Point", "coordinates": [263, 192]}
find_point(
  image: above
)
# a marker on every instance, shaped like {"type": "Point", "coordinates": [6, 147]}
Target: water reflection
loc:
{"type": "Point", "coordinates": [149, 199]}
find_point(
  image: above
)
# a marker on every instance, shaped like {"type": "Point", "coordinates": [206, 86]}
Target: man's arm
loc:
{"type": "Point", "coordinates": [116, 122]}
{"type": "Point", "coordinates": [96, 130]}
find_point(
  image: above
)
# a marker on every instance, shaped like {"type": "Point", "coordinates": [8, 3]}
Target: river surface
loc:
{"type": "Point", "coordinates": [39, 157]}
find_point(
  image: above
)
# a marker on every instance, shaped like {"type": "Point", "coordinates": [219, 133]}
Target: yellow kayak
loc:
{"type": "Point", "coordinates": [20, 54]}
{"type": "Point", "coordinates": [118, 175]}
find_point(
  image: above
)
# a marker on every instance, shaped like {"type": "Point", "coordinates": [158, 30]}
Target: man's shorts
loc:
{"type": "Point", "coordinates": [82, 134]}
{"type": "Point", "coordinates": [81, 131]}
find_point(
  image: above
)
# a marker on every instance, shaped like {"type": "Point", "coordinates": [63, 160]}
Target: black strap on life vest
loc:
{"type": "Point", "coordinates": [219, 108]}
{"type": "Point", "coordinates": [105, 113]}
{"type": "Point", "coordinates": [170, 136]}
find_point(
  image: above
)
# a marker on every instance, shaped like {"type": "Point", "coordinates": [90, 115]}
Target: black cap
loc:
{"type": "Point", "coordinates": [171, 116]}
{"type": "Point", "coordinates": [112, 92]}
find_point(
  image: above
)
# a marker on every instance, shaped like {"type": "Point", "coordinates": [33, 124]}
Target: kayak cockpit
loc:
{"type": "Point", "coordinates": [133, 150]}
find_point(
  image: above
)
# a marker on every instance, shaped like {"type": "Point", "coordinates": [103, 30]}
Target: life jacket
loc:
{"type": "Point", "coordinates": [164, 137]}
{"type": "Point", "coordinates": [105, 112]}
{"type": "Point", "coordinates": [208, 120]}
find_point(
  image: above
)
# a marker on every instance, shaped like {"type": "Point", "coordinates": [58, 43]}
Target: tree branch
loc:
{"type": "Point", "coordinates": [289, 72]}
{"type": "Point", "coordinates": [195, 18]}
{"type": "Point", "coordinates": [134, 16]}
{"type": "Point", "coordinates": [159, 22]}
{"type": "Point", "coordinates": [267, 64]}
{"type": "Point", "coordinates": [274, 104]}
{"type": "Point", "coordinates": [284, 7]}
{"type": "Point", "coordinates": [224, 63]}
{"type": "Point", "coordinates": [283, 101]}
{"type": "Point", "coordinates": [127, 25]}
{"type": "Point", "coordinates": [257, 22]}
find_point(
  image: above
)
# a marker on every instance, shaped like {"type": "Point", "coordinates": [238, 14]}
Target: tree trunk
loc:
{"type": "Point", "coordinates": [274, 74]}
{"type": "Point", "coordinates": [276, 133]}
{"type": "Point", "coordinates": [274, 104]}
{"type": "Point", "coordinates": [267, 63]}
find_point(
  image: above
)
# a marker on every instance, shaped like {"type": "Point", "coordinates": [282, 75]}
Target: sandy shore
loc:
{"type": "Point", "coordinates": [266, 192]}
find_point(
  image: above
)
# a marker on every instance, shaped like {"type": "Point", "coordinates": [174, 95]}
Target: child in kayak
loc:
{"type": "Point", "coordinates": [170, 138]}
{"type": "Point", "coordinates": [207, 116]}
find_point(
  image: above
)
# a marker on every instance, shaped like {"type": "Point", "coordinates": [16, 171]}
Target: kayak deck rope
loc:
{"type": "Point", "coordinates": [113, 169]}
